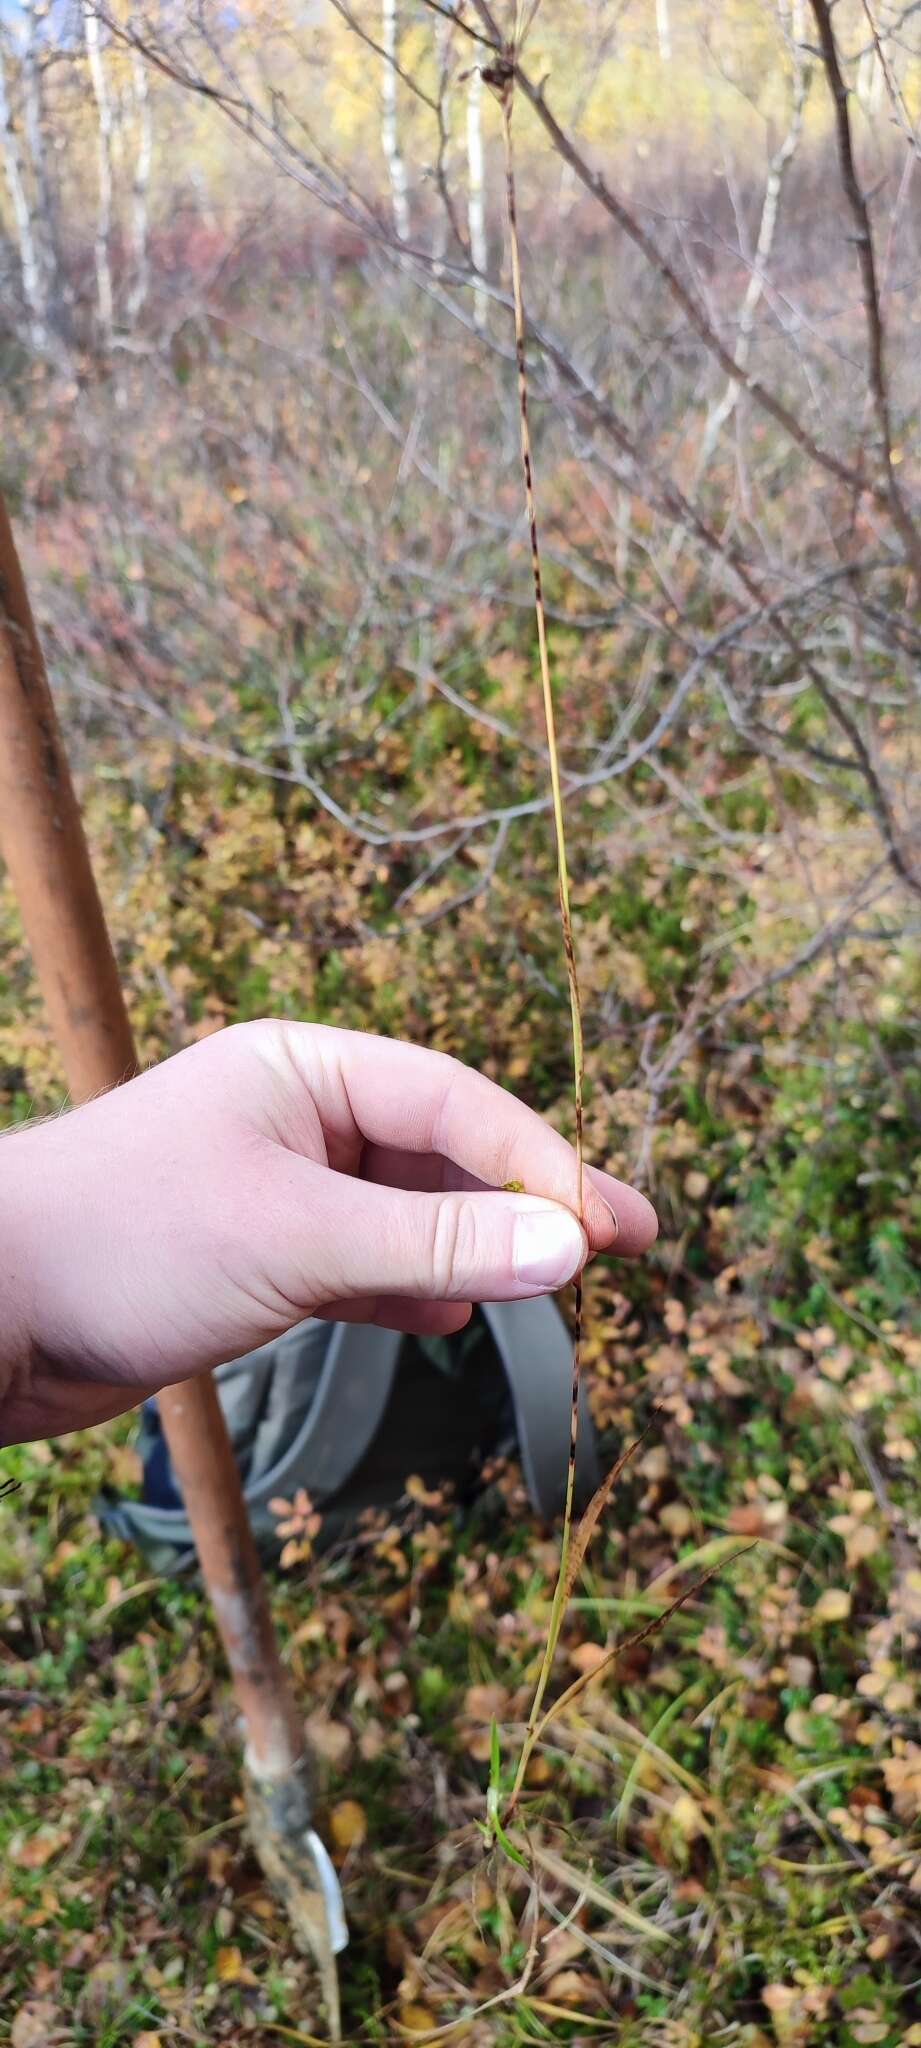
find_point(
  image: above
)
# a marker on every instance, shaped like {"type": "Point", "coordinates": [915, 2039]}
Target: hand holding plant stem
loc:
{"type": "Point", "coordinates": [273, 1172]}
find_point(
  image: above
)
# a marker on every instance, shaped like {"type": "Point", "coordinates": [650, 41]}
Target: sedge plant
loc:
{"type": "Point", "coordinates": [500, 75]}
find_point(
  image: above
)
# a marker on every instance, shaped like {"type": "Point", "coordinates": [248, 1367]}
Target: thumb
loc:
{"type": "Point", "coordinates": [365, 1239]}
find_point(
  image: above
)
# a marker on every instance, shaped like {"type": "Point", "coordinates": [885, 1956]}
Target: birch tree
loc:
{"type": "Point", "coordinates": [390, 138]}
{"type": "Point", "coordinates": [105, 303]}
{"type": "Point", "coordinates": [140, 282]}
{"type": "Point", "coordinates": [778, 167]}
{"type": "Point", "coordinates": [27, 233]}
{"type": "Point", "coordinates": [476, 210]}
{"type": "Point", "coordinates": [35, 128]}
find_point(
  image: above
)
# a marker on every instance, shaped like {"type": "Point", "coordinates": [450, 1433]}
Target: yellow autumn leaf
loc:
{"type": "Point", "coordinates": [832, 1605]}
{"type": "Point", "coordinates": [417, 2019]}
{"type": "Point", "coordinates": [864, 1543]}
{"type": "Point", "coordinates": [348, 1824]}
{"type": "Point", "coordinates": [229, 1966]}
{"type": "Point", "coordinates": [677, 1518]}
{"type": "Point", "coordinates": [572, 1987]}
{"type": "Point", "coordinates": [687, 1817]}
{"type": "Point", "coordinates": [799, 1727]}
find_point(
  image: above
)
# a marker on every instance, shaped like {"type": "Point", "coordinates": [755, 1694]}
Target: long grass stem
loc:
{"type": "Point", "coordinates": [501, 78]}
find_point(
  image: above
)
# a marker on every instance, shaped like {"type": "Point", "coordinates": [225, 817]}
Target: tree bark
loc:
{"type": "Point", "coordinates": [140, 283]}
{"type": "Point", "coordinates": [33, 290]}
{"type": "Point", "coordinates": [476, 209]}
{"type": "Point", "coordinates": [390, 139]}
{"type": "Point", "coordinates": [777, 170]}
{"type": "Point", "coordinates": [35, 125]}
{"type": "Point", "coordinates": [105, 302]}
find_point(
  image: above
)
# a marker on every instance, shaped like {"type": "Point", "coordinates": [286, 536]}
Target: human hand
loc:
{"type": "Point", "coordinates": [269, 1173]}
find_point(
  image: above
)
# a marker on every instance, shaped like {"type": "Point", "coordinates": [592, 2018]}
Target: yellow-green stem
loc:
{"type": "Point", "coordinates": [502, 79]}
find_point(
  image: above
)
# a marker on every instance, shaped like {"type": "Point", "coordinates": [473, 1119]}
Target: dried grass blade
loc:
{"type": "Point", "coordinates": [599, 1895]}
{"type": "Point", "coordinates": [640, 1635]}
{"type": "Point", "coordinates": [588, 1522]}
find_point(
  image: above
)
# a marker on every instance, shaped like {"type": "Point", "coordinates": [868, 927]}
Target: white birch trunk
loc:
{"type": "Point", "coordinates": [390, 140]}
{"type": "Point", "coordinates": [476, 210]}
{"type": "Point", "coordinates": [33, 290]}
{"type": "Point", "coordinates": [777, 169]}
{"type": "Point", "coordinates": [664, 30]}
{"type": "Point", "coordinates": [105, 303]}
{"type": "Point", "coordinates": [870, 80]}
{"type": "Point", "coordinates": [442, 225]}
{"type": "Point", "coordinates": [140, 283]}
{"type": "Point", "coordinates": [34, 124]}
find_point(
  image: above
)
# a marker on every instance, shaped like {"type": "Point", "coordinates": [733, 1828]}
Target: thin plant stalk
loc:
{"type": "Point", "coordinates": [638, 1635]}
{"type": "Point", "coordinates": [500, 76]}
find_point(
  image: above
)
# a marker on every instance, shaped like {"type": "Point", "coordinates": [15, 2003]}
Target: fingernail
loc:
{"type": "Point", "coordinates": [548, 1247]}
{"type": "Point", "coordinates": [611, 1212]}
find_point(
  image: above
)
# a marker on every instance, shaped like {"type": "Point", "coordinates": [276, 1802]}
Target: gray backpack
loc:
{"type": "Point", "coordinates": [348, 1412]}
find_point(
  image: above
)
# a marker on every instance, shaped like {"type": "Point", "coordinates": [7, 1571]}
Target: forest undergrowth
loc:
{"type": "Point", "coordinates": [725, 1831]}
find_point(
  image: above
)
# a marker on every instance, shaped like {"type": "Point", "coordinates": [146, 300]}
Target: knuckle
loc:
{"type": "Point", "coordinates": [238, 1041]}
{"type": "Point", "coordinates": [453, 1248]}
{"type": "Point", "coordinates": [259, 1043]}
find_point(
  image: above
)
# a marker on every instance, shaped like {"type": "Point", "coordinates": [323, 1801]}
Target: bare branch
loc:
{"type": "Point", "coordinates": [863, 235]}
{"type": "Point", "coordinates": [690, 306]}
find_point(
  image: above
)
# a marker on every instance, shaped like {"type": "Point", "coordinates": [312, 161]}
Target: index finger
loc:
{"type": "Point", "coordinates": [412, 1100]}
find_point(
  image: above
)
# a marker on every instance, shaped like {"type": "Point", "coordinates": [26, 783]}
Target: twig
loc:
{"type": "Point", "coordinates": [690, 306]}
{"type": "Point", "coordinates": [863, 235]}
{"type": "Point", "coordinates": [777, 171]}
{"type": "Point", "coordinates": [896, 95]}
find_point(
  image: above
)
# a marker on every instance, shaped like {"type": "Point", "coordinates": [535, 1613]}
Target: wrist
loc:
{"type": "Point", "coordinates": [18, 1256]}
{"type": "Point", "coordinates": [53, 1378]}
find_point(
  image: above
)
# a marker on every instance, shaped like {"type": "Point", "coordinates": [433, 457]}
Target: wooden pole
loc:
{"type": "Point", "coordinates": [44, 846]}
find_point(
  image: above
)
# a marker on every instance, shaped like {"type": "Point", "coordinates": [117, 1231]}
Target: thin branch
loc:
{"type": "Point", "coordinates": [863, 235]}
{"type": "Point", "coordinates": [777, 170]}
{"type": "Point", "coordinates": [893, 88]}
{"type": "Point", "coordinates": [689, 304]}
{"type": "Point", "coordinates": [386, 54]}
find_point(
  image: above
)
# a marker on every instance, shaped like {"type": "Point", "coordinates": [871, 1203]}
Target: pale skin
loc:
{"type": "Point", "coordinates": [273, 1172]}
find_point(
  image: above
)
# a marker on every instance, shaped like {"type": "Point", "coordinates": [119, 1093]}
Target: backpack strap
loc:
{"type": "Point", "coordinates": [354, 1388]}
{"type": "Point", "coordinates": [341, 1423]}
{"type": "Point", "coordinates": [346, 1412]}
{"type": "Point", "coordinates": [536, 1350]}
{"type": "Point", "coordinates": [352, 1391]}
